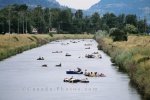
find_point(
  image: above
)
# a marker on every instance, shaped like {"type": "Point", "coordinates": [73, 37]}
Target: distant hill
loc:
{"type": "Point", "coordinates": [139, 7]}
{"type": "Point", "coordinates": [32, 3]}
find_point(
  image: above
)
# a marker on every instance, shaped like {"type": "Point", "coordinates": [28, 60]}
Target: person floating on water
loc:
{"type": "Point", "coordinates": [78, 69]}
{"type": "Point", "coordinates": [71, 78]}
{"type": "Point", "coordinates": [60, 64]}
{"type": "Point", "coordinates": [85, 73]}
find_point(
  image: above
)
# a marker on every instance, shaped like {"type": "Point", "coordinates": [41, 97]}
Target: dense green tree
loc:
{"type": "Point", "coordinates": [3, 22]}
{"type": "Point", "coordinates": [121, 21]}
{"type": "Point", "coordinates": [142, 26]}
{"type": "Point", "coordinates": [148, 29]}
{"type": "Point", "coordinates": [38, 19]}
{"type": "Point", "coordinates": [79, 14]}
{"type": "Point", "coordinates": [65, 19]}
{"type": "Point", "coordinates": [47, 18]}
{"type": "Point", "coordinates": [95, 20]}
{"type": "Point", "coordinates": [22, 19]}
{"type": "Point", "coordinates": [110, 20]}
{"type": "Point", "coordinates": [78, 22]}
{"type": "Point", "coordinates": [87, 27]}
{"type": "Point", "coordinates": [131, 19]}
{"type": "Point", "coordinates": [55, 17]}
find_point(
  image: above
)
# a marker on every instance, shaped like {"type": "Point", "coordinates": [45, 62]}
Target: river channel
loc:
{"type": "Point", "coordinates": [22, 76]}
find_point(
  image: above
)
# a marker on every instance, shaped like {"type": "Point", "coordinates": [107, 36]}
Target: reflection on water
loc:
{"type": "Point", "coordinates": [23, 77]}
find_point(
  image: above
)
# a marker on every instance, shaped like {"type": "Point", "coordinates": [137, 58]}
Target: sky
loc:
{"type": "Point", "coordinates": [78, 4]}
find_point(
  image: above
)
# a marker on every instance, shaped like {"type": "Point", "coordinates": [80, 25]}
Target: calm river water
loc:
{"type": "Point", "coordinates": [22, 77]}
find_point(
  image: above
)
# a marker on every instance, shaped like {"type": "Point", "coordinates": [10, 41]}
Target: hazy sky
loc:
{"type": "Point", "coordinates": [78, 4]}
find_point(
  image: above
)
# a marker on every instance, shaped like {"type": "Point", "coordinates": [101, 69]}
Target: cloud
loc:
{"type": "Point", "coordinates": [146, 10]}
{"type": "Point", "coordinates": [78, 4]}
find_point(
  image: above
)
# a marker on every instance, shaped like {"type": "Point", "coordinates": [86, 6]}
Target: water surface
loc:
{"type": "Point", "coordinates": [23, 78]}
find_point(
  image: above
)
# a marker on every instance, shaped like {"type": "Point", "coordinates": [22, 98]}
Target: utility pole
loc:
{"type": "Point", "coordinates": [3, 28]}
{"type": "Point", "coordinates": [18, 22]}
{"type": "Point", "coordinates": [26, 24]}
{"type": "Point", "coordinates": [145, 24]}
{"type": "Point", "coordinates": [18, 25]}
{"type": "Point", "coordinates": [138, 23]}
{"type": "Point", "coordinates": [9, 20]}
{"type": "Point", "coordinates": [49, 19]}
{"type": "Point", "coordinates": [23, 24]}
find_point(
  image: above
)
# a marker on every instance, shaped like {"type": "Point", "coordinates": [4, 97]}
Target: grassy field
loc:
{"type": "Point", "coordinates": [11, 44]}
{"type": "Point", "coordinates": [132, 56]}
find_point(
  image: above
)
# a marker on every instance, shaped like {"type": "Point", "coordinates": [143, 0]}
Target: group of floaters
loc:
{"type": "Point", "coordinates": [45, 65]}
{"type": "Point", "coordinates": [85, 80]}
{"type": "Point", "coordinates": [79, 70]}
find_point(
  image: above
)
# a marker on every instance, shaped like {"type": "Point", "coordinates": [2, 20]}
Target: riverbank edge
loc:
{"type": "Point", "coordinates": [104, 46]}
{"type": "Point", "coordinates": [37, 42]}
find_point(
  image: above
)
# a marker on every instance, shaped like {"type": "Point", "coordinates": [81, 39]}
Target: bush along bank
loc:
{"type": "Point", "coordinates": [11, 44]}
{"type": "Point", "coordinates": [133, 57]}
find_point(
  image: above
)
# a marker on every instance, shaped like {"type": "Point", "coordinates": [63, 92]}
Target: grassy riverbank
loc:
{"type": "Point", "coordinates": [11, 44]}
{"type": "Point", "coordinates": [132, 56]}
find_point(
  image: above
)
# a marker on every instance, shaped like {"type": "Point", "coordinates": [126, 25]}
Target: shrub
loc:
{"type": "Point", "coordinates": [130, 29]}
{"type": "Point", "coordinates": [117, 34]}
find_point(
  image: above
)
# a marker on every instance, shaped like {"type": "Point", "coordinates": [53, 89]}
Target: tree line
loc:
{"type": "Point", "coordinates": [22, 19]}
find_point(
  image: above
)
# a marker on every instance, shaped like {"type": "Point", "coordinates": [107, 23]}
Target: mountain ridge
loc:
{"type": "Point", "coordinates": [139, 7]}
{"type": "Point", "coordinates": [43, 3]}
